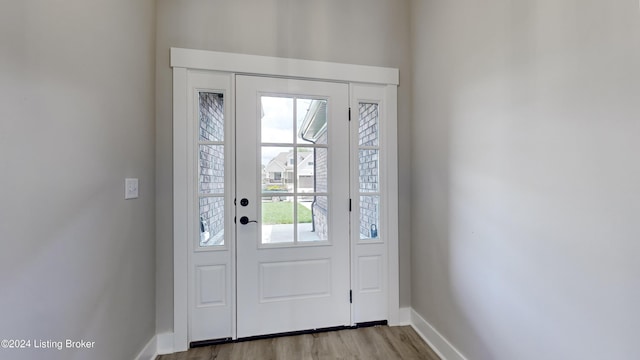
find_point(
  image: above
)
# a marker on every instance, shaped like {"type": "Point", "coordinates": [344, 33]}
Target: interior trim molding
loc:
{"type": "Point", "coordinates": [404, 316]}
{"type": "Point", "coordinates": [282, 67]}
{"type": "Point", "coordinates": [149, 351]}
{"type": "Point", "coordinates": [165, 343]}
{"type": "Point", "coordinates": [436, 341]}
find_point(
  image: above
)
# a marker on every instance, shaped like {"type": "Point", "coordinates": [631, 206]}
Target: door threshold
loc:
{"type": "Point", "coordinates": [202, 343]}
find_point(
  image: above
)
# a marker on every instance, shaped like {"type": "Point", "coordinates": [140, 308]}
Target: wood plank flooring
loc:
{"type": "Point", "coordinates": [378, 342]}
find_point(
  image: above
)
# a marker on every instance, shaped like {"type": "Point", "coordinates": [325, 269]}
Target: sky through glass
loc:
{"type": "Point", "coordinates": [278, 123]}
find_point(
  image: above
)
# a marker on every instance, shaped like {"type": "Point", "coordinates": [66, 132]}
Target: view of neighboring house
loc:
{"type": "Point", "coordinates": [276, 168]}
{"type": "Point", "coordinates": [306, 169]}
{"type": "Point", "coordinates": [279, 171]}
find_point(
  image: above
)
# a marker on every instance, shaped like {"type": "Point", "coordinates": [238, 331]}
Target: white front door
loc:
{"type": "Point", "coordinates": [292, 205]}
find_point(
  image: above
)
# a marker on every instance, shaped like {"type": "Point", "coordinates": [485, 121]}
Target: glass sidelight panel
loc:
{"type": "Point", "coordinates": [369, 170]}
{"type": "Point", "coordinates": [211, 116]}
{"type": "Point", "coordinates": [211, 168]}
{"type": "Point", "coordinates": [369, 217]}
{"type": "Point", "coordinates": [211, 221]}
{"type": "Point", "coordinates": [211, 177]}
{"type": "Point", "coordinates": [368, 124]}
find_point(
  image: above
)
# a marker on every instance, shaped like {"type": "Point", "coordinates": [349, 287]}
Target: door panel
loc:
{"type": "Point", "coordinates": [292, 149]}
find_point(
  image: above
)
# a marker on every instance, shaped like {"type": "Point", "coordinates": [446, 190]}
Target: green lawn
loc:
{"type": "Point", "coordinates": [282, 213]}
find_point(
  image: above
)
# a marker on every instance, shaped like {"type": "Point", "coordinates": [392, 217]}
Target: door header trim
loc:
{"type": "Point", "coordinates": [282, 67]}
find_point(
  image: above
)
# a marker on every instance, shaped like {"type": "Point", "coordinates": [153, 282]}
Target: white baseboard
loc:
{"type": "Point", "coordinates": [165, 343]}
{"type": "Point", "coordinates": [404, 316]}
{"type": "Point", "coordinates": [438, 343]}
{"type": "Point", "coordinates": [149, 350]}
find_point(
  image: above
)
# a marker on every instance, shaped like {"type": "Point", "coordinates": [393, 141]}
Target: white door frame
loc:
{"type": "Point", "coordinates": [183, 60]}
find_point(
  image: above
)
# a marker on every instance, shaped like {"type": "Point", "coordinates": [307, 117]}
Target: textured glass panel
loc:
{"type": "Point", "coordinates": [368, 170]}
{"type": "Point", "coordinates": [313, 224]}
{"type": "Point", "coordinates": [277, 169]}
{"type": "Point", "coordinates": [211, 116]}
{"type": "Point", "coordinates": [211, 221]}
{"type": "Point", "coordinates": [368, 124]}
{"type": "Point", "coordinates": [311, 119]}
{"type": "Point", "coordinates": [277, 120]}
{"type": "Point", "coordinates": [277, 220]}
{"type": "Point", "coordinates": [369, 217]}
{"type": "Point", "coordinates": [211, 175]}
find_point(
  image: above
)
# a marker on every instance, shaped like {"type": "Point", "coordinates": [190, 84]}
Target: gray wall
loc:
{"type": "Point", "coordinates": [359, 32]}
{"type": "Point", "coordinates": [76, 118]}
{"type": "Point", "coordinates": [525, 176]}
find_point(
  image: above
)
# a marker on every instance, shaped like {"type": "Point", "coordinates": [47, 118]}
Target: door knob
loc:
{"type": "Point", "coordinates": [245, 220]}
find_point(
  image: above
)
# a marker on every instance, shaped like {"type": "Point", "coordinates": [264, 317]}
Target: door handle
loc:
{"type": "Point", "coordinates": [245, 220]}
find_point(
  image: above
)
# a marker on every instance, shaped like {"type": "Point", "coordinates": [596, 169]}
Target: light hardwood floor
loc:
{"type": "Point", "coordinates": [378, 342]}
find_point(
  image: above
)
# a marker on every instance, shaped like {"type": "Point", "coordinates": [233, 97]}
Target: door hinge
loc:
{"type": "Point", "coordinates": [350, 296]}
{"type": "Point", "coordinates": [349, 114]}
{"type": "Point", "coordinates": [349, 205]}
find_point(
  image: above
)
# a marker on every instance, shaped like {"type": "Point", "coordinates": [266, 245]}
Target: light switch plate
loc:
{"type": "Point", "coordinates": [131, 188]}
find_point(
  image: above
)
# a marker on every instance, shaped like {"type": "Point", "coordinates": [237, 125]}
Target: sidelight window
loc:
{"type": "Point", "coordinates": [369, 170]}
{"type": "Point", "coordinates": [211, 171]}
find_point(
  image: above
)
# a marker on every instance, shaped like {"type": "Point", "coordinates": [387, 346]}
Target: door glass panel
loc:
{"type": "Point", "coordinates": [311, 121]}
{"type": "Point", "coordinates": [312, 219]}
{"type": "Point", "coordinates": [211, 177]}
{"type": "Point", "coordinates": [369, 217]}
{"type": "Point", "coordinates": [211, 221]}
{"type": "Point", "coordinates": [368, 166]}
{"type": "Point", "coordinates": [211, 116]}
{"type": "Point", "coordinates": [211, 168]}
{"type": "Point", "coordinates": [295, 173]}
{"type": "Point", "coordinates": [277, 164]}
{"type": "Point", "coordinates": [303, 216]}
{"type": "Point", "coordinates": [321, 170]}
{"type": "Point", "coordinates": [368, 124]}
{"type": "Point", "coordinates": [277, 220]}
{"type": "Point", "coordinates": [276, 120]}
{"type": "Point", "coordinates": [306, 170]}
